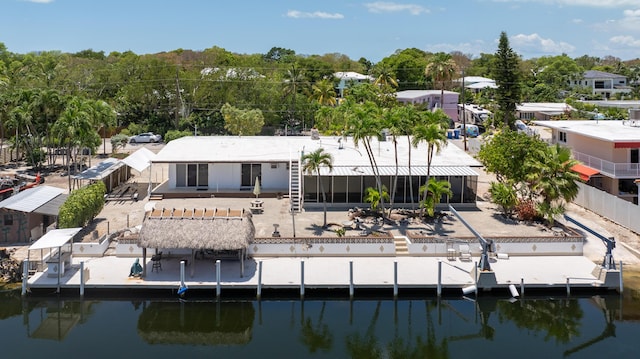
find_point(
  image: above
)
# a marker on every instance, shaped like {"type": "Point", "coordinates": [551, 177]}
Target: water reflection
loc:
{"type": "Point", "coordinates": [447, 328]}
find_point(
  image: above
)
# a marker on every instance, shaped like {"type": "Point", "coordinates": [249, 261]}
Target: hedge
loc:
{"type": "Point", "coordinates": [82, 206]}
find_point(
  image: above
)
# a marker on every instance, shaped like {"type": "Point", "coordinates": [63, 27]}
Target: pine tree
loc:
{"type": "Point", "coordinates": [506, 72]}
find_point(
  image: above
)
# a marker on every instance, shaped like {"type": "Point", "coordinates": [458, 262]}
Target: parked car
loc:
{"type": "Point", "coordinates": [147, 137]}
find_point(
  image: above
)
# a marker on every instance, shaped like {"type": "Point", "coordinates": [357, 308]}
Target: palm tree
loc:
{"type": "Point", "coordinates": [385, 76]}
{"type": "Point", "coordinates": [432, 130]}
{"type": "Point", "coordinates": [551, 178]}
{"type": "Point", "coordinates": [312, 163]}
{"type": "Point", "coordinates": [324, 93]}
{"type": "Point", "coordinates": [441, 68]}
{"type": "Point", "coordinates": [74, 128]}
{"type": "Point", "coordinates": [364, 123]}
{"type": "Point", "coordinates": [293, 80]}
{"type": "Point", "coordinates": [435, 190]}
{"type": "Point", "coordinates": [374, 197]}
{"type": "Point", "coordinates": [409, 118]}
{"type": "Point", "coordinates": [104, 116]}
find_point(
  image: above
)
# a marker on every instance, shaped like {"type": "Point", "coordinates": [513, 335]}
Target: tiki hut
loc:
{"type": "Point", "coordinates": [198, 229]}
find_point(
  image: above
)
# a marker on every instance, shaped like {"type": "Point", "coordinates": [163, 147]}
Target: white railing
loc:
{"type": "Point", "coordinates": [611, 169]}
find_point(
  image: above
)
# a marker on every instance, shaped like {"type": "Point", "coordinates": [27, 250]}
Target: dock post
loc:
{"type": "Point", "coordinates": [25, 276]}
{"type": "Point", "coordinates": [568, 288]}
{"type": "Point", "coordinates": [259, 280]}
{"type": "Point", "coordinates": [439, 287]}
{"type": "Point", "coordinates": [218, 289]}
{"type": "Point", "coordinates": [351, 280]}
{"type": "Point", "coordinates": [108, 228]}
{"type": "Point", "coordinates": [522, 287]}
{"type": "Point", "coordinates": [395, 279]}
{"type": "Point", "coordinates": [182, 274]}
{"type": "Point", "coordinates": [82, 279]}
{"type": "Point", "coordinates": [302, 279]}
{"type": "Point", "coordinates": [621, 281]}
{"type": "Point", "coordinates": [127, 221]}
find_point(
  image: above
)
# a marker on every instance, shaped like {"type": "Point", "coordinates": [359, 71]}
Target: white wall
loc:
{"type": "Point", "coordinates": [274, 178]}
{"type": "Point", "coordinates": [224, 176]}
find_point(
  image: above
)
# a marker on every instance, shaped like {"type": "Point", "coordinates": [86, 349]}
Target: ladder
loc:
{"type": "Point", "coordinates": [295, 182]}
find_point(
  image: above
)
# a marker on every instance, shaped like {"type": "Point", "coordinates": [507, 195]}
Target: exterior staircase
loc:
{"type": "Point", "coordinates": [295, 183]}
{"type": "Point", "coordinates": [401, 246]}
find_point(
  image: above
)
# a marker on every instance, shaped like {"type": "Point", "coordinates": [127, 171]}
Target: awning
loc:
{"type": "Point", "coordinates": [635, 144]}
{"type": "Point", "coordinates": [31, 199]}
{"type": "Point", "coordinates": [55, 238]}
{"type": "Point", "coordinates": [139, 160]}
{"type": "Point", "coordinates": [585, 172]}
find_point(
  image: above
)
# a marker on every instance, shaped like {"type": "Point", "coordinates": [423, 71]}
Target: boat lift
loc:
{"type": "Point", "coordinates": [486, 245]}
{"type": "Point", "coordinates": [610, 242]}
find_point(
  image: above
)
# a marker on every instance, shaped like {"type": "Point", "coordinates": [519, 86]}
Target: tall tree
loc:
{"type": "Point", "coordinates": [242, 122]}
{"type": "Point", "coordinates": [551, 178]}
{"type": "Point", "coordinates": [433, 132]}
{"type": "Point", "coordinates": [311, 164]}
{"type": "Point", "coordinates": [441, 68]}
{"type": "Point", "coordinates": [324, 93]}
{"type": "Point", "coordinates": [506, 72]}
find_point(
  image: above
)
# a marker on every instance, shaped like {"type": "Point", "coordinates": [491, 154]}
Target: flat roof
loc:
{"type": "Point", "coordinates": [55, 238]}
{"type": "Point", "coordinates": [604, 130]}
{"type": "Point", "coordinates": [543, 107]}
{"type": "Point", "coordinates": [272, 149]}
{"type": "Point", "coordinates": [413, 94]}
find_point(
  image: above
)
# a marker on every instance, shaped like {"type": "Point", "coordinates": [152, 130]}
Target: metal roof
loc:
{"type": "Point", "coordinates": [52, 208]}
{"type": "Point", "coordinates": [31, 199]}
{"type": "Point", "coordinates": [99, 171]}
{"type": "Point", "coordinates": [436, 171]}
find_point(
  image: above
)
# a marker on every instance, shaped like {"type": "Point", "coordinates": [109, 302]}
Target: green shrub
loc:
{"type": "Point", "coordinates": [82, 206]}
{"type": "Point", "coordinates": [173, 135]}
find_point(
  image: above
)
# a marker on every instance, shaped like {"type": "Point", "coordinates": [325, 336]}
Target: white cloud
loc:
{"type": "Point", "coordinates": [39, 1]}
{"type": "Point", "coordinates": [536, 43]}
{"type": "Point", "coordinates": [315, 15]}
{"type": "Point", "coordinates": [625, 40]}
{"type": "Point", "coordinates": [382, 6]}
{"type": "Point", "coordinates": [577, 21]}
{"type": "Point", "coordinates": [475, 47]}
{"type": "Point", "coordinates": [586, 3]}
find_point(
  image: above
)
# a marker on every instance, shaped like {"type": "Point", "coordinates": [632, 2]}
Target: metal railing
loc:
{"type": "Point", "coordinates": [608, 168]}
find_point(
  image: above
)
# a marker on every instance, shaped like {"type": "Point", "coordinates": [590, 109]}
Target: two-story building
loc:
{"type": "Point", "coordinates": [608, 152]}
{"type": "Point", "coordinates": [603, 83]}
{"type": "Point", "coordinates": [431, 99]}
{"type": "Point", "coordinates": [349, 78]}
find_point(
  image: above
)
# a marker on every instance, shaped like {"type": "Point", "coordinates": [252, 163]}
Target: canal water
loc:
{"type": "Point", "coordinates": [588, 327]}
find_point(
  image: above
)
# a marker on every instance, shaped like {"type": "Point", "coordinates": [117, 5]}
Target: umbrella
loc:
{"type": "Point", "coordinates": [256, 187]}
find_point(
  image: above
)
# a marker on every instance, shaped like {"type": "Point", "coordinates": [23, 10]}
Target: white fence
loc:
{"type": "Point", "coordinates": [609, 206]}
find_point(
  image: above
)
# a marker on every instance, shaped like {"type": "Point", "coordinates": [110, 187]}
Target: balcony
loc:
{"type": "Point", "coordinates": [608, 168]}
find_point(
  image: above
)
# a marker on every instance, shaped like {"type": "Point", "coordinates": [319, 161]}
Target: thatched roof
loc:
{"type": "Point", "coordinates": [216, 229]}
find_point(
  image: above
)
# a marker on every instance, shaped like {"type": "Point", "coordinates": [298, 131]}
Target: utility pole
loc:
{"type": "Point", "coordinates": [464, 116]}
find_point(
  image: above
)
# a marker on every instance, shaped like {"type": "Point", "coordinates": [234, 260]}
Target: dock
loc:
{"type": "Point", "coordinates": [341, 275]}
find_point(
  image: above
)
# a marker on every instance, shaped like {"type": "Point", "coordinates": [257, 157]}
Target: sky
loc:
{"type": "Point", "coordinates": [365, 28]}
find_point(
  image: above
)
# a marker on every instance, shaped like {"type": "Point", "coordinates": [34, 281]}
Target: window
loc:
{"type": "Point", "coordinates": [8, 219]}
{"type": "Point", "coordinates": [192, 175]}
{"type": "Point", "coordinates": [562, 136]}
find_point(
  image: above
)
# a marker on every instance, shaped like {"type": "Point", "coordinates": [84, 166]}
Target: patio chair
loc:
{"type": "Point", "coordinates": [156, 259]}
{"type": "Point", "coordinates": [465, 253]}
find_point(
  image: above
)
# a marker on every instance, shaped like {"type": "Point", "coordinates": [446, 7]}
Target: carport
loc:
{"type": "Point", "coordinates": [60, 245]}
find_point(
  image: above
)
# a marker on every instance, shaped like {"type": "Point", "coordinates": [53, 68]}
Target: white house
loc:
{"type": "Point", "coordinates": [603, 83]}
{"type": "Point", "coordinates": [431, 99]}
{"type": "Point", "coordinates": [529, 111]}
{"type": "Point", "coordinates": [227, 166]}
{"type": "Point", "coordinates": [350, 78]}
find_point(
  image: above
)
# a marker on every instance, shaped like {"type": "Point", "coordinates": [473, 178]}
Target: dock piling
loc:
{"type": "Point", "coordinates": [302, 279]}
{"type": "Point", "coordinates": [522, 287]}
{"type": "Point", "coordinates": [439, 287]}
{"type": "Point", "coordinates": [259, 295]}
{"type": "Point", "coordinates": [621, 281]}
{"type": "Point", "coordinates": [25, 276]}
{"type": "Point", "coordinates": [568, 288]}
{"type": "Point", "coordinates": [395, 279]}
{"type": "Point", "coordinates": [351, 280]}
{"type": "Point", "coordinates": [82, 279]}
{"type": "Point", "coordinates": [218, 288]}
